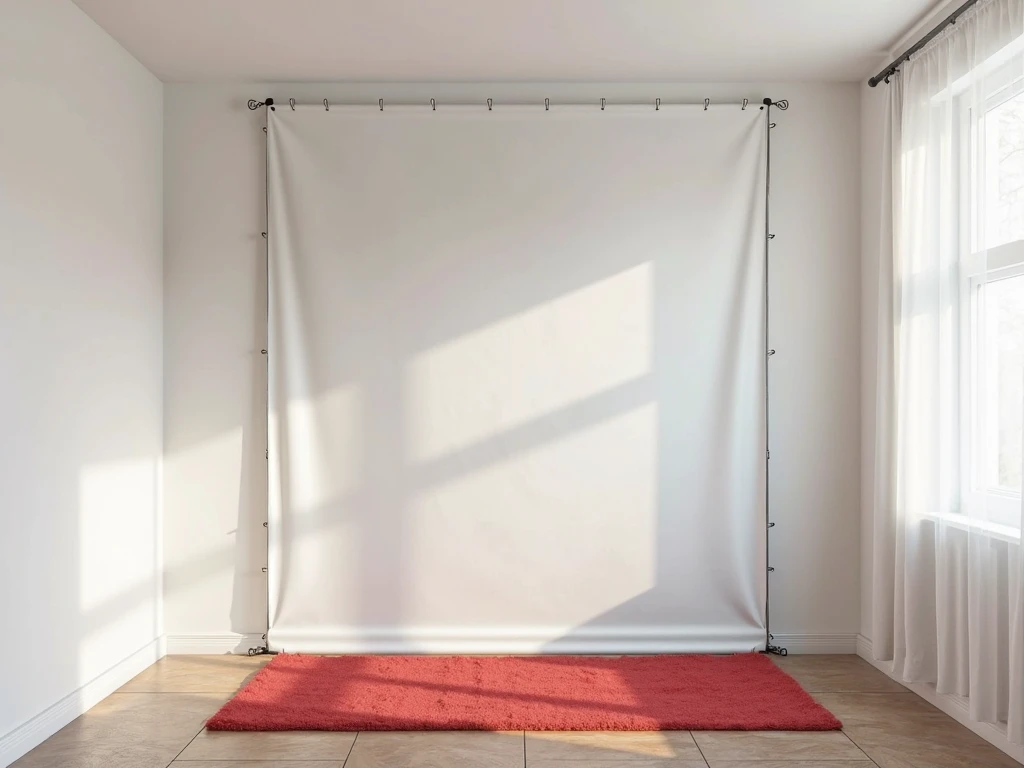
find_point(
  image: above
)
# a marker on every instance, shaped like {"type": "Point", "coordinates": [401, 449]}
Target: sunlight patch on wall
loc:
{"type": "Point", "coordinates": [117, 579]}
{"type": "Point", "coordinates": [520, 369]}
{"type": "Point", "coordinates": [117, 503]}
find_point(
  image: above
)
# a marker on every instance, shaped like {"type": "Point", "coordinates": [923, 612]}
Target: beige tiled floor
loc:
{"type": "Point", "coordinates": [156, 721]}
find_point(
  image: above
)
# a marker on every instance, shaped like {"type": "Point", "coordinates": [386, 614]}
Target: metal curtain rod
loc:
{"type": "Point", "coordinates": [489, 103]}
{"type": "Point", "coordinates": [894, 67]}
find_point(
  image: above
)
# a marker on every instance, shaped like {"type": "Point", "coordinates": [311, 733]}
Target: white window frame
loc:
{"type": "Point", "coordinates": [978, 267]}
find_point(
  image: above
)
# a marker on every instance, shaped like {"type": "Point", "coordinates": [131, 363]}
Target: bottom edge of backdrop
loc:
{"type": "Point", "coordinates": [470, 641]}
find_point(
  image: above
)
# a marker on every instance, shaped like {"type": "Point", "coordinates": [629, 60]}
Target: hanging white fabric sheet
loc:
{"type": "Point", "coordinates": [517, 379]}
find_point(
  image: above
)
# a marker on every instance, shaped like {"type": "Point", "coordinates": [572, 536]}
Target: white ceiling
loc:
{"type": "Point", "coordinates": [487, 40]}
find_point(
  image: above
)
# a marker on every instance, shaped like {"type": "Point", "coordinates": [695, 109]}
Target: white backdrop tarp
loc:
{"type": "Point", "coordinates": [517, 379]}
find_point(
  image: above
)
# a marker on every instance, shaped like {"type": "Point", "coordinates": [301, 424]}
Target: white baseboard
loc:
{"type": "Point", "coordinates": [41, 727]}
{"type": "Point", "coordinates": [231, 642]}
{"type": "Point", "coordinates": [954, 706]}
{"type": "Point", "coordinates": [864, 650]}
{"type": "Point", "coordinates": [808, 644]}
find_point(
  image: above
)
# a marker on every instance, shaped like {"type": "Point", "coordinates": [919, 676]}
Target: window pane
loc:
{"type": "Point", "coordinates": [1004, 310]}
{"type": "Point", "coordinates": [1004, 172]}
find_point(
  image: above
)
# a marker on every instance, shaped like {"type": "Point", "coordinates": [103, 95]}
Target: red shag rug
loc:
{"type": "Point", "coordinates": [537, 693]}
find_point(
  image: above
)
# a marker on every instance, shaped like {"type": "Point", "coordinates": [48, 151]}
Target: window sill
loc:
{"type": "Point", "coordinates": [995, 530]}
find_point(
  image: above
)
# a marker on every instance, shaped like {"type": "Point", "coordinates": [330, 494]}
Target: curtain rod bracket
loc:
{"type": "Point", "coordinates": [893, 67]}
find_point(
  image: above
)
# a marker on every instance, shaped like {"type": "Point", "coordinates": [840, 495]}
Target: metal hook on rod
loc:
{"type": "Point", "coordinates": [291, 103]}
{"type": "Point", "coordinates": [327, 107]}
{"type": "Point", "coordinates": [706, 103]}
{"type": "Point", "coordinates": [490, 103]}
{"type": "Point", "coordinates": [657, 105]}
{"type": "Point", "coordinates": [744, 106]}
{"type": "Point", "coordinates": [381, 102]}
{"type": "Point", "coordinates": [547, 104]}
{"type": "Point", "coordinates": [602, 105]}
{"type": "Point", "coordinates": [433, 105]}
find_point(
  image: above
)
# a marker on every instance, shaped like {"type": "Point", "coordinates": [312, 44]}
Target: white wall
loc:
{"type": "Point", "coordinates": [214, 323]}
{"type": "Point", "coordinates": [81, 372]}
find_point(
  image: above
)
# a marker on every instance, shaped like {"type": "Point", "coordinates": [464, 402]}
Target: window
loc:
{"type": "Point", "coordinates": [992, 295]}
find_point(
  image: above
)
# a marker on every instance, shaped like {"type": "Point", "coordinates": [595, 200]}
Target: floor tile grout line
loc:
{"type": "Point", "coordinates": [858, 746]}
{"type": "Point", "coordinates": [201, 729]}
{"type": "Point", "coordinates": [698, 748]}
{"type": "Point", "coordinates": [350, 748]}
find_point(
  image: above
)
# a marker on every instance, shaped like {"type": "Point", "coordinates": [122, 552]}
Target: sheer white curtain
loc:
{"type": "Point", "coordinates": [948, 603]}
